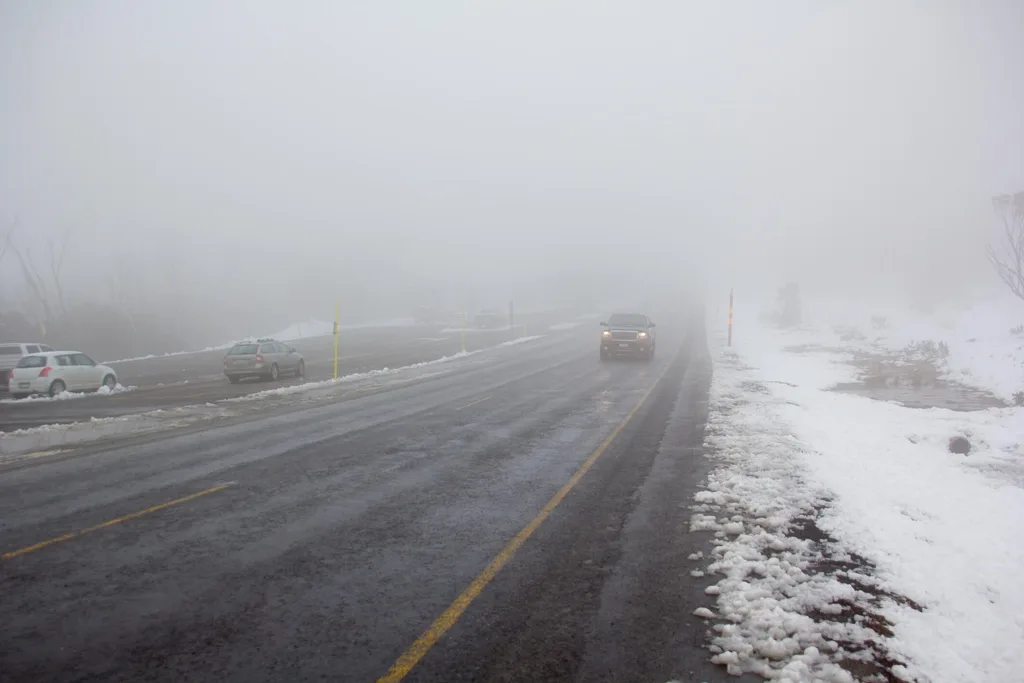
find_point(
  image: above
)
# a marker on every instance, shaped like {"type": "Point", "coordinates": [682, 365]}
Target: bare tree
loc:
{"type": "Point", "coordinates": [1008, 258]}
{"type": "Point", "coordinates": [7, 240]}
{"type": "Point", "coordinates": [36, 283]}
{"type": "Point", "coordinates": [56, 266]}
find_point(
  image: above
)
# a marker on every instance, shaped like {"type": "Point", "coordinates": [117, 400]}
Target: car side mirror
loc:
{"type": "Point", "coordinates": [653, 325]}
{"type": "Point", "coordinates": [291, 349]}
{"type": "Point", "coordinates": [603, 324]}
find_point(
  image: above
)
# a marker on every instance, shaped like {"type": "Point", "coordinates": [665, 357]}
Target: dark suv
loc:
{"type": "Point", "coordinates": [628, 334]}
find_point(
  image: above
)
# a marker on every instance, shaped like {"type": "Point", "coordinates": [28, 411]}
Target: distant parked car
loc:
{"type": "Point", "coordinates": [56, 371]}
{"type": "Point", "coordinates": [263, 358]}
{"type": "Point", "coordinates": [10, 354]}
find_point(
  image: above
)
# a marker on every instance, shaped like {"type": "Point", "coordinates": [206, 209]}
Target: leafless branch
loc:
{"type": "Point", "coordinates": [56, 266]}
{"type": "Point", "coordinates": [7, 239]}
{"type": "Point", "coordinates": [1007, 258]}
{"type": "Point", "coordinates": [36, 284]}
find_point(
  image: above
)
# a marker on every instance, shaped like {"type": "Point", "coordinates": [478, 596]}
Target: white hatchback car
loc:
{"type": "Point", "coordinates": [55, 372]}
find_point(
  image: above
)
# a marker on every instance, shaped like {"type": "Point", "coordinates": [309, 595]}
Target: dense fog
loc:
{"type": "Point", "coordinates": [232, 167]}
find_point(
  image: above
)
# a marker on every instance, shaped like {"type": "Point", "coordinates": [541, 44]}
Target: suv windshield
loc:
{"type": "Point", "coordinates": [243, 350]}
{"type": "Point", "coordinates": [32, 362]}
{"type": "Point", "coordinates": [630, 319]}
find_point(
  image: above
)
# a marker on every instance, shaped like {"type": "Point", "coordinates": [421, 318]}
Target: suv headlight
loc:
{"type": "Point", "coordinates": [642, 335]}
{"type": "Point", "coordinates": [606, 333]}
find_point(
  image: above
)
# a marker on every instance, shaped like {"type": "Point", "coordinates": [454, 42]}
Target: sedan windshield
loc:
{"type": "Point", "coordinates": [628, 319]}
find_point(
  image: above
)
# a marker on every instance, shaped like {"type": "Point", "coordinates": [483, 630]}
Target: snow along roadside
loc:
{"type": "Point", "coordinates": [829, 509]}
{"type": "Point", "coordinates": [24, 444]}
{"type": "Point", "coordinates": [69, 395]}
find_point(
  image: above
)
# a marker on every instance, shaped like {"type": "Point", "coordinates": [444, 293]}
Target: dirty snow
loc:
{"type": "Point", "coordinates": [564, 326]}
{"type": "Point", "coordinates": [845, 530]}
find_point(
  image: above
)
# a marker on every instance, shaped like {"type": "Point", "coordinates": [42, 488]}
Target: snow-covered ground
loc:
{"type": "Point", "coordinates": [324, 328]}
{"type": "Point", "coordinates": [984, 334]}
{"type": "Point", "coordinates": [849, 541]}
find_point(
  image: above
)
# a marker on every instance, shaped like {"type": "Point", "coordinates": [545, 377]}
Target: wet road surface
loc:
{"type": "Point", "coordinates": [520, 519]}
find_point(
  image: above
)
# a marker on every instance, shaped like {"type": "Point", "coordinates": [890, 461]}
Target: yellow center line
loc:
{"type": "Point", "coordinates": [112, 522]}
{"type": "Point", "coordinates": [473, 403]}
{"type": "Point", "coordinates": [401, 668]}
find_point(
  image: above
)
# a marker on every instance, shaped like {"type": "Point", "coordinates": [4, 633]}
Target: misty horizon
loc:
{"type": "Point", "coordinates": [241, 166]}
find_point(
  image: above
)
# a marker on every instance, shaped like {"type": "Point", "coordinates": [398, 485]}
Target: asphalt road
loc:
{"type": "Point", "coordinates": [187, 379]}
{"type": "Point", "coordinates": [520, 518]}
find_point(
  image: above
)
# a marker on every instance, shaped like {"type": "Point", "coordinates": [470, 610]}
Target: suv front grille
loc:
{"type": "Point", "coordinates": [624, 335]}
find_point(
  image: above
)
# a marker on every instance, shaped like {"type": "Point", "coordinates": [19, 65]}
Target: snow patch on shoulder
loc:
{"type": "Point", "coordinates": [564, 326]}
{"type": "Point", "coordinates": [522, 340]}
{"type": "Point", "coordinates": [475, 330]}
{"type": "Point", "coordinates": [68, 395]}
{"type": "Point", "coordinates": [354, 377]}
{"type": "Point", "coordinates": [850, 541]}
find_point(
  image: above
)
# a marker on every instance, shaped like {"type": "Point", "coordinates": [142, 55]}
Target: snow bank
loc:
{"type": "Point", "coordinates": [24, 444]}
{"type": "Point", "coordinates": [521, 340]}
{"type": "Point", "coordinates": [838, 518]}
{"type": "Point", "coordinates": [66, 395]}
{"type": "Point", "coordinates": [475, 330]}
{"type": "Point", "coordinates": [564, 326]}
{"type": "Point", "coordinates": [310, 386]}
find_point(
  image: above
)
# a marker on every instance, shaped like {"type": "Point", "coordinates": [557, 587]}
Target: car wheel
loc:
{"type": "Point", "coordinates": [58, 387]}
{"type": "Point", "coordinates": [274, 372]}
{"type": "Point", "coordinates": [110, 382]}
{"type": "Point", "coordinates": [233, 379]}
{"type": "Point", "coordinates": [301, 372]}
{"type": "Point", "coordinates": [604, 355]}
{"type": "Point", "coordinates": [19, 396]}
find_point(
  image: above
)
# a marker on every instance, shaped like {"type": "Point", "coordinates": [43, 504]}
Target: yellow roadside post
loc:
{"type": "Point", "coordinates": [336, 307]}
{"type": "Point", "coordinates": [463, 330]}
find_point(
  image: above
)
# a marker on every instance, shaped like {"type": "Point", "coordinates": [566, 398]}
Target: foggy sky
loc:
{"type": "Point", "coordinates": [381, 153]}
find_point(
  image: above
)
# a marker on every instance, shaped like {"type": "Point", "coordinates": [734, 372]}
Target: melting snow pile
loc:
{"type": "Point", "coordinates": [849, 543]}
